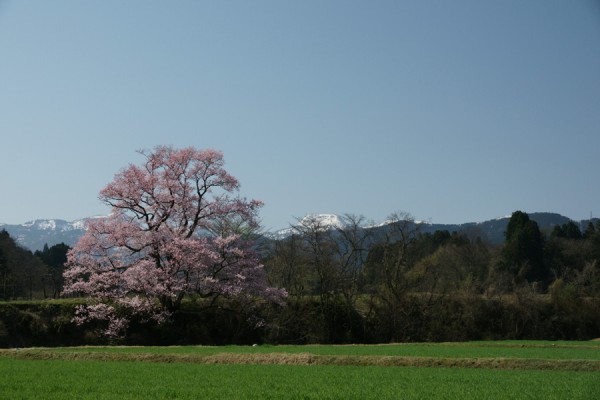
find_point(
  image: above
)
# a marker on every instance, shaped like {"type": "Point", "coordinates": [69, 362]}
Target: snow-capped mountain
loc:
{"type": "Point", "coordinates": [319, 221]}
{"type": "Point", "coordinates": [35, 234]}
{"type": "Point", "coordinates": [491, 230]}
{"type": "Point", "coordinates": [324, 220]}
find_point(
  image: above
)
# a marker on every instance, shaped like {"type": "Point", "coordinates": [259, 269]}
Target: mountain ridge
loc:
{"type": "Point", "coordinates": [34, 234]}
{"type": "Point", "coordinates": [491, 230]}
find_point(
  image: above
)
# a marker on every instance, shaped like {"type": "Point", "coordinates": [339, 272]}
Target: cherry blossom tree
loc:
{"type": "Point", "coordinates": [177, 228]}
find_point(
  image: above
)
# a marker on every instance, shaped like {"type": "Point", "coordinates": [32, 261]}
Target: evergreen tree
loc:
{"type": "Point", "coordinates": [55, 258]}
{"type": "Point", "coordinates": [21, 274]}
{"type": "Point", "coordinates": [570, 230]}
{"type": "Point", "coordinates": [523, 252]}
{"type": "Point", "coordinates": [3, 272]}
{"type": "Point", "coordinates": [590, 231]}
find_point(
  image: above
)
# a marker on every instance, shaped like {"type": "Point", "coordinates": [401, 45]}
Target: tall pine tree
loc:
{"type": "Point", "coordinates": [523, 252]}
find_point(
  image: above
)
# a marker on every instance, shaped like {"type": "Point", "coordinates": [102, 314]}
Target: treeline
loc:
{"type": "Point", "coordinates": [397, 259]}
{"type": "Point", "coordinates": [393, 283]}
{"type": "Point", "coordinates": [27, 275]}
{"type": "Point", "coordinates": [356, 285]}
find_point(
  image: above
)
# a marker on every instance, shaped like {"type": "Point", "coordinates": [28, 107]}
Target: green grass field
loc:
{"type": "Point", "coordinates": [549, 370]}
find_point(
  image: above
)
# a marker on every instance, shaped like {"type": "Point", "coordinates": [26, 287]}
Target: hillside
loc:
{"type": "Point", "coordinates": [491, 230]}
{"type": "Point", "coordinates": [35, 234]}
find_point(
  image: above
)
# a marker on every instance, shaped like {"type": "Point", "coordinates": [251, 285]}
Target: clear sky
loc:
{"type": "Point", "coordinates": [453, 111]}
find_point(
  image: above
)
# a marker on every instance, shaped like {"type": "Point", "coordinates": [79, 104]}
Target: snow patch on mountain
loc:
{"type": "Point", "coordinates": [325, 221]}
{"type": "Point", "coordinates": [48, 224]}
{"type": "Point", "coordinates": [317, 221]}
{"type": "Point", "coordinates": [39, 232]}
{"type": "Point", "coordinates": [35, 234]}
{"type": "Point", "coordinates": [54, 225]}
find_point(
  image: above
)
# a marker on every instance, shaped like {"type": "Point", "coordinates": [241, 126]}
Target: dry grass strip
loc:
{"type": "Point", "coordinates": [312, 359]}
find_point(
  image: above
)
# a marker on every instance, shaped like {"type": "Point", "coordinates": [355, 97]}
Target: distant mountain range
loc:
{"type": "Point", "coordinates": [490, 230]}
{"type": "Point", "coordinates": [35, 234]}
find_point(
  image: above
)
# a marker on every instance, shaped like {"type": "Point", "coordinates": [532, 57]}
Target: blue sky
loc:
{"type": "Point", "coordinates": [453, 111]}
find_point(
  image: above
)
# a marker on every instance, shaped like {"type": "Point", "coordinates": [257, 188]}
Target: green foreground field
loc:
{"type": "Point", "coordinates": [491, 370]}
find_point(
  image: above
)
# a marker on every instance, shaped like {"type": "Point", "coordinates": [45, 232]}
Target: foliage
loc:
{"type": "Point", "coordinates": [55, 258]}
{"type": "Point", "coordinates": [21, 274]}
{"type": "Point", "coordinates": [564, 314]}
{"type": "Point", "coordinates": [175, 230]}
{"type": "Point", "coordinates": [523, 251]}
{"type": "Point", "coordinates": [362, 285]}
{"type": "Point", "coordinates": [439, 286]}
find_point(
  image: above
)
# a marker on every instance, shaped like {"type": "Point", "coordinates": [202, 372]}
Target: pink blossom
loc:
{"type": "Point", "coordinates": [173, 231]}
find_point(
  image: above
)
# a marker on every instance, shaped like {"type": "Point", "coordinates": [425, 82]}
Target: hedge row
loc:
{"type": "Point", "coordinates": [49, 323]}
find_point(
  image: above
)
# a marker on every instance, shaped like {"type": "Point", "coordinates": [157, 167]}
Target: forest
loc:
{"type": "Point", "coordinates": [351, 285]}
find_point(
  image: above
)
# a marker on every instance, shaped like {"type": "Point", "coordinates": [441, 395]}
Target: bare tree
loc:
{"type": "Point", "coordinates": [391, 259]}
{"type": "Point", "coordinates": [388, 274]}
{"type": "Point", "coordinates": [287, 266]}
